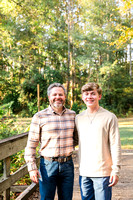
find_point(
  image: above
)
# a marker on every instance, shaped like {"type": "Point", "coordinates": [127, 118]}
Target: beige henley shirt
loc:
{"type": "Point", "coordinates": [99, 144]}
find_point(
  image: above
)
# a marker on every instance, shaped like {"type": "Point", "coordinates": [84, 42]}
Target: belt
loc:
{"type": "Point", "coordinates": [58, 159]}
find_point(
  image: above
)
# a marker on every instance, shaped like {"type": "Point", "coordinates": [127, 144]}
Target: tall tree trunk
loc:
{"type": "Point", "coordinates": [70, 83]}
{"type": "Point", "coordinates": [130, 45]}
{"type": "Point", "coordinates": [68, 67]}
{"type": "Point", "coordinates": [130, 61]}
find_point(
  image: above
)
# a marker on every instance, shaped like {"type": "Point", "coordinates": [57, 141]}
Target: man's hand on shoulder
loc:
{"type": "Point", "coordinates": [113, 180]}
{"type": "Point", "coordinates": [34, 175]}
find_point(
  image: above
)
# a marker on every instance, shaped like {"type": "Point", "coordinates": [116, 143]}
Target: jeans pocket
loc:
{"type": "Point", "coordinates": [44, 162]}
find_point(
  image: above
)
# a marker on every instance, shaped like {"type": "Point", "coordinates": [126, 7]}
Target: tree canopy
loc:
{"type": "Point", "coordinates": [71, 42]}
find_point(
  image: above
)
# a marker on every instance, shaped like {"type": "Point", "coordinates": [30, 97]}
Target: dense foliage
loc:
{"type": "Point", "coordinates": [71, 42]}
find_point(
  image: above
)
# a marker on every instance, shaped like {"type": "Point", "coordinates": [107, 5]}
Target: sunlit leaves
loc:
{"type": "Point", "coordinates": [125, 7]}
{"type": "Point", "coordinates": [124, 28]}
{"type": "Point", "coordinates": [38, 37]}
{"type": "Point", "coordinates": [7, 7]}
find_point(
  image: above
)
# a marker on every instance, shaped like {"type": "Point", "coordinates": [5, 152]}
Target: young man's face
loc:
{"type": "Point", "coordinates": [91, 98]}
{"type": "Point", "coordinates": [57, 97]}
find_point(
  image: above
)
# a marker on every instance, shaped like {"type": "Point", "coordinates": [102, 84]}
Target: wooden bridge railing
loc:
{"type": "Point", "coordinates": [8, 147]}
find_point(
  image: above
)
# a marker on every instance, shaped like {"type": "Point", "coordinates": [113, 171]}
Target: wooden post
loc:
{"type": "Point", "coordinates": [6, 193]}
{"type": "Point", "coordinates": [38, 97]}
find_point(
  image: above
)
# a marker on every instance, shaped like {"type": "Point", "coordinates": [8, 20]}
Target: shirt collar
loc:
{"type": "Point", "coordinates": [52, 110]}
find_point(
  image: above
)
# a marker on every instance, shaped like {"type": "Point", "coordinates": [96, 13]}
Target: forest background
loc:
{"type": "Point", "coordinates": [66, 41]}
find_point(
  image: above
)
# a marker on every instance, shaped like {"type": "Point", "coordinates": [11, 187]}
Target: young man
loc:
{"type": "Point", "coordinates": [99, 147]}
{"type": "Point", "coordinates": [53, 127]}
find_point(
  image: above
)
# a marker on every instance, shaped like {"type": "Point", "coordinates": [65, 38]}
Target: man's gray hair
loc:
{"type": "Point", "coordinates": [51, 86]}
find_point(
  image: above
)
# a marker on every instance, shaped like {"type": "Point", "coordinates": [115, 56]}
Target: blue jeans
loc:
{"type": "Point", "coordinates": [56, 175]}
{"type": "Point", "coordinates": [95, 188]}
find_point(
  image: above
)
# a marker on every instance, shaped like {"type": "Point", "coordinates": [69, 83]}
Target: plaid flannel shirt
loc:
{"type": "Point", "coordinates": [56, 133]}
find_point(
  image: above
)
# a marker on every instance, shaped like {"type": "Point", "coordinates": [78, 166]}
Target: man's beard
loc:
{"type": "Point", "coordinates": [57, 105]}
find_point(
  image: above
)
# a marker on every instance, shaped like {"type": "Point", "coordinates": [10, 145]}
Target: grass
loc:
{"type": "Point", "coordinates": [126, 133]}
{"type": "Point", "coordinates": [125, 128]}
{"type": "Point", "coordinates": [21, 125]}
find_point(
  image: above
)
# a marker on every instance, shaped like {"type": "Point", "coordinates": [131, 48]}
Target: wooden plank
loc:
{"type": "Point", "coordinates": [6, 183]}
{"type": "Point", "coordinates": [13, 138]}
{"type": "Point", "coordinates": [28, 192]}
{"type": "Point", "coordinates": [12, 145]}
{"type": "Point", "coordinates": [18, 188]}
{"type": "Point", "coordinates": [7, 162]}
{"type": "Point", "coordinates": [6, 193]}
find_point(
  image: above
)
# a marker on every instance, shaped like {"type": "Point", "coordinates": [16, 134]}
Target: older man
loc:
{"type": "Point", "coordinates": [54, 128]}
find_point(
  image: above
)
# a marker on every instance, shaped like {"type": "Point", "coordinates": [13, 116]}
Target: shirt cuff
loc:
{"type": "Point", "coordinates": [31, 166]}
{"type": "Point", "coordinates": [116, 170]}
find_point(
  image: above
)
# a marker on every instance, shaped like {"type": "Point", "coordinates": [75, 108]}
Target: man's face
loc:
{"type": "Point", "coordinates": [91, 98]}
{"type": "Point", "coordinates": [57, 97]}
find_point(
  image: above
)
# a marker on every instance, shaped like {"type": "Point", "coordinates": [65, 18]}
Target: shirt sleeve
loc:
{"type": "Point", "coordinates": [115, 146]}
{"type": "Point", "coordinates": [32, 143]}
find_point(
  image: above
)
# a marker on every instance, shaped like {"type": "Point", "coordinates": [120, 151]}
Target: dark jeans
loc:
{"type": "Point", "coordinates": [56, 175]}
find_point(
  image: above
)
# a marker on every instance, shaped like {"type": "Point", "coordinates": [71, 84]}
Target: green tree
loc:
{"type": "Point", "coordinates": [66, 41]}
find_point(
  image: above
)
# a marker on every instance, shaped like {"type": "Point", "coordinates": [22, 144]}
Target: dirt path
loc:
{"type": "Point", "coordinates": [122, 191]}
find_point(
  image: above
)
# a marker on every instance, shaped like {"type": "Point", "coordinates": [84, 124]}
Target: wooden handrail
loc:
{"type": "Point", "coordinates": [12, 145]}
{"type": "Point", "coordinates": [8, 147]}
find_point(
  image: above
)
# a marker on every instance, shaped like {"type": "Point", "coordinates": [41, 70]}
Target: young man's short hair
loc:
{"type": "Point", "coordinates": [91, 86]}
